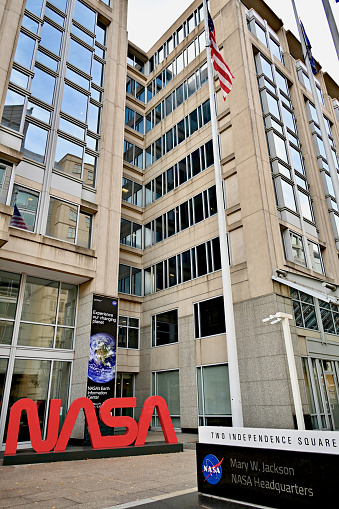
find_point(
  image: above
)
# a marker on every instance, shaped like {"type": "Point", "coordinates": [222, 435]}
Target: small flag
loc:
{"type": "Point", "coordinates": [308, 49]}
{"type": "Point", "coordinates": [225, 75]}
{"type": "Point", "coordinates": [16, 220]}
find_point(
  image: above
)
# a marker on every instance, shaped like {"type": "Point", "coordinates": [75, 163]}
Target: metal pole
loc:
{"type": "Point", "coordinates": [333, 171]}
{"type": "Point", "coordinates": [332, 25]}
{"type": "Point", "coordinates": [233, 368]}
{"type": "Point", "coordinates": [292, 369]}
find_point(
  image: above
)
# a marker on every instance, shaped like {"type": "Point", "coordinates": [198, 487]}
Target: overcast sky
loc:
{"type": "Point", "coordinates": [155, 17]}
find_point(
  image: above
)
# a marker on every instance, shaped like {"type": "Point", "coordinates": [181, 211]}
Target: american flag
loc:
{"type": "Point", "coordinates": [16, 219]}
{"type": "Point", "coordinates": [225, 75]}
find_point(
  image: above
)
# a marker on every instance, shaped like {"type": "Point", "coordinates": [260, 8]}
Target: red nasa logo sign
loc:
{"type": "Point", "coordinates": [135, 432]}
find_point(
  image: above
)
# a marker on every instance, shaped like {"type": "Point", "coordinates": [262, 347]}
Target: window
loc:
{"type": "Point", "coordinates": [125, 389]}
{"type": "Point", "coordinates": [166, 385]}
{"type": "Point", "coordinates": [129, 280]}
{"type": "Point", "coordinates": [9, 292]}
{"type": "Point", "coordinates": [298, 253]}
{"type": "Point", "coordinates": [304, 310]}
{"type": "Point", "coordinates": [165, 328]}
{"type": "Point", "coordinates": [214, 400]}
{"type": "Point", "coordinates": [128, 332]}
{"type": "Point", "coordinates": [209, 317]}
{"type": "Point", "coordinates": [26, 201]}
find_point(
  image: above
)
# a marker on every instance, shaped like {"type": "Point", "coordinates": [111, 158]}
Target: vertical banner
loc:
{"type": "Point", "coordinates": [102, 350]}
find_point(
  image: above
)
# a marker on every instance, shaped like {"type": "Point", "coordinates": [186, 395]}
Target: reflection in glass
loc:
{"type": "Point", "coordinates": [34, 142]}
{"type": "Point", "coordinates": [14, 105]}
{"type": "Point", "coordinates": [90, 164]}
{"type": "Point", "coordinates": [73, 129]}
{"type": "Point", "coordinates": [93, 118]}
{"type": "Point", "coordinates": [30, 380]}
{"type": "Point", "coordinates": [67, 155]}
{"type": "Point", "coordinates": [76, 78]}
{"type": "Point", "coordinates": [60, 221]}
{"type": "Point", "coordinates": [67, 304]}
{"type": "Point", "coordinates": [50, 38]}
{"type": "Point", "coordinates": [19, 79]}
{"type": "Point", "coordinates": [24, 50]}
{"type": "Point", "coordinates": [59, 386]}
{"type": "Point", "coordinates": [64, 338]}
{"type": "Point", "coordinates": [40, 300]}
{"type": "Point", "coordinates": [74, 103]}
{"type": "Point", "coordinates": [37, 112]}
{"type": "Point", "coordinates": [84, 15]}
{"type": "Point", "coordinates": [9, 290]}
{"type": "Point", "coordinates": [3, 369]}
{"type": "Point", "coordinates": [27, 203]}
{"type": "Point", "coordinates": [42, 86]}
{"type": "Point", "coordinates": [54, 16]}
{"type": "Point", "coordinates": [85, 230]}
{"type": "Point", "coordinates": [34, 6]}
{"type": "Point", "coordinates": [6, 331]}
{"type": "Point", "coordinates": [80, 56]}
{"type": "Point", "coordinates": [82, 35]}
{"type": "Point", "coordinates": [47, 61]}
{"type": "Point", "coordinates": [31, 334]}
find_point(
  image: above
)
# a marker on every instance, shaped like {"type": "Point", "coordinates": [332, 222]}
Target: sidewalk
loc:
{"type": "Point", "coordinates": [100, 483]}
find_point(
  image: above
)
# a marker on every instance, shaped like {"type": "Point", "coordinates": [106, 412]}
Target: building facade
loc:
{"type": "Point", "coordinates": [109, 162]}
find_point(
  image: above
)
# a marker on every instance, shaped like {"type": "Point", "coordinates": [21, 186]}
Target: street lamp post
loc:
{"type": "Point", "coordinates": [284, 319]}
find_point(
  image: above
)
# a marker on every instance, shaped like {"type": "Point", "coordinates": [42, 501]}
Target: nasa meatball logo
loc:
{"type": "Point", "coordinates": [114, 302]}
{"type": "Point", "coordinates": [211, 468]}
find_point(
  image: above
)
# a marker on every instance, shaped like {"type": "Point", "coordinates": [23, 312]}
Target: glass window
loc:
{"type": "Point", "coordinates": [47, 61]}
{"type": "Point", "coordinates": [54, 16]}
{"type": "Point", "coordinates": [40, 301]}
{"type": "Point", "coordinates": [36, 111]}
{"type": "Point", "coordinates": [316, 258]}
{"type": "Point", "coordinates": [74, 103]}
{"type": "Point", "coordinates": [80, 56]}
{"type": "Point", "coordinates": [34, 142]}
{"type": "Point", "coordinates": [42, 86]}
{"type": "Point", "coordinates": [186, 265]}
{"type": "Point", "coordinates": [76, 78]}
{"type": "Point", "coordinates": [298, 253]}
{"type": "Point", "coordinates": [67, 154]}
{"type": "Point", "coordinates": [24, 50]}
{"type": "Point", "coordinates": [128, 332]}
{"type": "Point", "coordinates": [12, 113]}
{"type": "Point", "coordinates": [97, 72]}
{"type": "Point", "coordinates": [34, 6]}
{"type": "Point", "coordinates": [198, 208]}
{"type": "Point", "coordinates": [261, 34]}
{"type": "Point", "coordinates": [280, 148]}
{"type": "Point", "coordinates": [184, 217]}
{"type": "Point", "coordinates": [288, 195]}
{"type": "Point", "coordinates": [165, 328]}
{"type": "Point", "coordinates": [172, 271]}
{"type": "Point", "coordinates": [19, 78]}
{"type": "Point", "coordinates": [201, 260]}
{"type": "Point", "coordinates": [166, 385]}
{"type": "Point", "coordinates": [84, 15]}
{"type": "Point", "coordinates": [214, 404]}
{"type": "Point", "coordinates": [50, 38]}
{"type": "Point", "coordinates": [59, 220]}
{"type": "Point", "coordinates": [305, 205]}
{"type": "Point", "coordinates": [93, 118]}
{"type": "Point", "coordinates": [27, 203]}
{"type": "Point", "coordinates": [84, 230]}
{"type": "Point", "coordinates": [209, 317]}
{"type": "Point", "coordinates": [206, 110]}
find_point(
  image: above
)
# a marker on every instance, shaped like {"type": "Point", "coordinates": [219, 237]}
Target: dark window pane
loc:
{"type": "Point", "coordinates": [182, 171]}
{"type": "Point", "coordinates": [170, 179]}
{"type": "Point", "coordinates": [159, 277]}
{"type": "Point", "coordinates": [209, 154]}
{"type": "Point", "coordinates": [172, 271]}
{"type": "Point", "coordinates": [196, 162]}
{"type": "Point", "coordinates": [166, 331]}
{"type": "Point", "coordinates": [184, 218]}
{"type": "Point", "coordinates": [212, 317]}
{"type": "Point", "coordinates": [186, 266]}
{"type": "Point", "coordinates": [201, 260]}
{"type": "Point", "coordinates": [193, 120]}
{"type": "Point", "coordinates": [181, 131]}
{"type": "Point", "coordinates": [198, 208]}
{"type": "Point", "coordinates": [212, 201]}
{"type": "Point", "coordinates": [171, 223]}
{"type": "Point", "coordinates": [206, 111]}
{"type": "Point", "coordinates": [216, 254]}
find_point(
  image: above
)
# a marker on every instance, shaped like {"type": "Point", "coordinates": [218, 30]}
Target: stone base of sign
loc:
{"type": "Point", "coordinates": [85, 452]}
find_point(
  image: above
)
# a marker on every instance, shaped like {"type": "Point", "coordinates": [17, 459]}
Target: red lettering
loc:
{"type": "Point", "coordinates": [134, 432]}
{"type": "Point", "coordinates": [38, 444]}
{"type": "Point", "coordinates": [164, 417]}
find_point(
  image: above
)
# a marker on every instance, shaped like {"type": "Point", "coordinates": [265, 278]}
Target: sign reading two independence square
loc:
{"type": "Point", "coordinates": [269, 467]}
{"type": "Point", "coordinates": [102, 350]}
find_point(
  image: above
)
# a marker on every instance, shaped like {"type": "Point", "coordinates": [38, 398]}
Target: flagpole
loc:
{"type": "Point", "coordinates": [328, 151]}
{"type": "Point", "coordinates": [332, 24]}
{"type": "Point", "coordinates": [233, 367]}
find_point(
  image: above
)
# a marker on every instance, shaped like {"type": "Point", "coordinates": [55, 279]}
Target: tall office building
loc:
{"type": "Point", "coordinates": [107, 187]}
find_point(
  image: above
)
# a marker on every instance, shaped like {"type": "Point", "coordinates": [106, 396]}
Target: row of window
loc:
{"type": "Point", "coordinates": [46, 313]}
{"type": "Point", "coordinates": [176, 66]}
{"type": "Point", "coordinates": [185, 215]}
{"type": "Point", "coordinates": [135, 62]}
{"type": "Point", "coordinates": [135, 89]}
{"type": "Point", "coordinates": [178, 133]}
{"type": "Point", "coordinates": [65, 221]}
{"type": "Point", "coordinates": [31, 102]}
{"type": "Point", "coordinates": [267, 36]}
{"type": "Point", "coordinates": [178, 174]}
{"type": "Point", "coordinates": [213, 411]}
{"type": "Point", "coordinates": [305, 313]}
{"type": "Point", "coordinates": [295, 250]}
{"type": "Point", "coordinates": [195, 262]}
{"type": "Point", "coordinates": [177, 97]}
{"type": "Point", "coordinates": [172, 42]}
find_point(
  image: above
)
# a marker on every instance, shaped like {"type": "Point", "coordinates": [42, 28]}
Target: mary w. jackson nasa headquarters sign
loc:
{"type": "Point", "coordinates": [269, 467]}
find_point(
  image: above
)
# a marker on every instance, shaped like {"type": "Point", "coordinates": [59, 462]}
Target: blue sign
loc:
{"type": "Point", "coordinates": [211, 468]}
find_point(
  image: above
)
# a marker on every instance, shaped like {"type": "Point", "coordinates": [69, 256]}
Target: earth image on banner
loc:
{"type": "Point", "coordinates": [101, 364]}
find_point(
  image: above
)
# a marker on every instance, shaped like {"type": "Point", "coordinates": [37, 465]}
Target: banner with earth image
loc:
{"type": "Point", "coordinates": [102, 350]}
